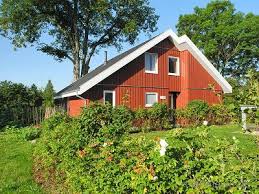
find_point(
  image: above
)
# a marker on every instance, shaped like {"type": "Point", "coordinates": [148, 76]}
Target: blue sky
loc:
{"type": "Point", "coordinates": [29, 66]}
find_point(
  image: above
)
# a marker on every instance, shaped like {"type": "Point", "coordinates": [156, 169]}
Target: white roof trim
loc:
{"type": "Point", "coordinates": [182, 43]}
{"type": "Point", "coordinates": [66, 95]}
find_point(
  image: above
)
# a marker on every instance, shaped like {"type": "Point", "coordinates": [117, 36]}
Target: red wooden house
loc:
{"type": "Point", "coordinates": [166, 68]}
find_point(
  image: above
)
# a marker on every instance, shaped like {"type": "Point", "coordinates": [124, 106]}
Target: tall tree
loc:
{"type": "Point", "coordinates": [230, 39]}
{"type": "Point", "coordinates": [48, 99]}
{"type": "Point", "coordinates": [48, 95]}
{"type": "Point", "coordinates": [79, 28]}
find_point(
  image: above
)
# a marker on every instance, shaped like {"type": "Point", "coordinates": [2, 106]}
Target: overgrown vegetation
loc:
{"type": "Point", "coordinates": [245, 93]}
{"type": "Point", "coordinates": [94, 153]}
{"type": "Point", "coordinates": [16, 102]}
{"type": "Point", "coordinates": [198, 111]}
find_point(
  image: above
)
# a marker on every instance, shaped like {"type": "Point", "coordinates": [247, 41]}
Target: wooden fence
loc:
{"type": "Point", "coordinates": [31, 115]}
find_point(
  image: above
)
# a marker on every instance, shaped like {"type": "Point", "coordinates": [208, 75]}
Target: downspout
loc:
{"type": "Point", "coordinates": [82, 98]}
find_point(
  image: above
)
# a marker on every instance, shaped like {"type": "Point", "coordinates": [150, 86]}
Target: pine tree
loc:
{"type": "Point", "coordinates": [48, 96]}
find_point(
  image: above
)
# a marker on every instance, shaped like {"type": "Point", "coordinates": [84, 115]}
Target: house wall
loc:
{"type": "Point", "coordinates": [132, 82]}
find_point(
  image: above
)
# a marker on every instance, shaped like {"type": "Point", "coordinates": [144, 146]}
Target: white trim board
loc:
{"type": "Point", "coordinates": [182, 43]}
{"type": "Point", "coordinates": [113, 96]}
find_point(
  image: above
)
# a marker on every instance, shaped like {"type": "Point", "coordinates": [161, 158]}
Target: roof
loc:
{"type": "Point", "coordinates": [103, 71]}
{"type": "Point", "coordinates": [76, 85]}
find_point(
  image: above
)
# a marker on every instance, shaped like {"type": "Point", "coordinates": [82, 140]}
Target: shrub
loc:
{"type": "Point", "coordinates": [15, 100]}
{"type": "Point", "coordinates": [220, 114]}
{"type": "Point", "coordinates": [53, 121]}
{"type": "Point", "coordinates": [99, 120]}
{"type": "Point", "coordinates": [141, 121]}
{"type": "Point", "coordinates": [122, 118]}
{"type": "Point", "coordinates": [198, 109]}
{"type": "Point", "coordinates": [135, 165]}
{"type": "Point", "coordinates": [194, 114]}
{"type": "Point", "coordinates": [30, 133]}
{"type": "Point", "coordinates": [155, 118]}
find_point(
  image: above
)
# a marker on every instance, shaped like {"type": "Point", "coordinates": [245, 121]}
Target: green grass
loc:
{"type": "Point", "coordinates": [246, 142]}
{"type": "Point", "coordinates": [16, 165]}
{"type": "Point", "coordinates": [16, 155]}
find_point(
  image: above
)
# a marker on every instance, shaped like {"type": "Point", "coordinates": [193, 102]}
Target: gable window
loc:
{"type": "Point", "coordinates": [109, 97]}
{"type": "Point", "coordinates": [173, 66]}
{"type": "Point", "coordinates": [151, 63]}
{"type": "Point", "coordinates": [151, 98]}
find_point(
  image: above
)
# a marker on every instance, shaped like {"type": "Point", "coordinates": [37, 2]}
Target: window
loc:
{"type": "Point", "coordinates": [151, 98]}
{"type": "Point", "coordinates": [109, 97]}
{"type": "Point", "coordinates": [151, 63]}
{"type": "Point", "coordinates": [173, 66]}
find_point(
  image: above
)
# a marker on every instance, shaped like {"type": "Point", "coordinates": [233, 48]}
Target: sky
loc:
{"type": "Point", "coordinates": [28, 66]}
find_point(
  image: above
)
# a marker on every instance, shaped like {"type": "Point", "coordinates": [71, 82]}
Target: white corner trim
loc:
{"type": "Point", "coordinates": [182, 43]}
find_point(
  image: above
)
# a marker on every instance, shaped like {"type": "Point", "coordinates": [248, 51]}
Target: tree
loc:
{"type": "Point", "coordinates": [229, 39]}
{"type": "Point", "coordinates": [48, 95]}
{"type": "Point", "coordinates": [16, 101]}
{"type": "Point", "coordinates": [79, 28]}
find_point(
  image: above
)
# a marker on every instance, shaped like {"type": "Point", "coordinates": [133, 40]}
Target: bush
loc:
{"type": "Point", "coordinates": [194, 114]}
{"type": "Point", "coordinates": [135, 165]}
{"type": "Point", "coordinates": [98, 120]}
{"type": "Point", "coordinates": [157, 117]}
{"type": "Point", "coordinates": [52, 122]}
{"type": "Point", "coordinates": [30, 133]}
{"type": "Point", "coordinates": [219, 114]}
{"type": "Point", "coordinates": [198, 111]}
{"type": "Point", "coordinates": [15, 100]}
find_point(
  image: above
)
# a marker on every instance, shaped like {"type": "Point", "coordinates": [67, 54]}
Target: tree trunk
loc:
{"type": "Point", "coordinates": [76, 70]}
{"type": "Point", "coordinates": [85, 68]}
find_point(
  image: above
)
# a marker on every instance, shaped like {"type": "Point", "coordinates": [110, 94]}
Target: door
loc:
{"type": "Point", "coordinates": [172, 99]}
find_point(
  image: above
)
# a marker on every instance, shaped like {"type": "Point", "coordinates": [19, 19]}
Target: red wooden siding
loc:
{"type": "Point", "coordinates": [74, 106]}
{"type": "Point", "coordinates": [132, 81]}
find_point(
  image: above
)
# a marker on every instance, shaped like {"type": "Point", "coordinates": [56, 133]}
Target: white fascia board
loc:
{"type": "Point", "coordinates": [74, 93]}
{"type": "Point", "coordinates": [202, 59]}
{"type": "Point", "coordinates": [182, 43]}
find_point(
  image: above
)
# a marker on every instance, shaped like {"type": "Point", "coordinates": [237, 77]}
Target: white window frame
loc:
{"type": "Point", "coordinates": [113, 96]}
{"type": "Point", "coordinates": [156, 63]}
{"type": "Point", "coordinates": [177, 66]}
{"type": "Point", "coordinates": [147, 93]}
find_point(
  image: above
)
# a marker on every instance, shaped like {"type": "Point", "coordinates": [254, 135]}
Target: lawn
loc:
{"type": "Point", "coordinates": [16, 165]}
{"type": "Point", "coordinates": [248, 144]}
{"type": "Point", "coordinates": [16, 155]}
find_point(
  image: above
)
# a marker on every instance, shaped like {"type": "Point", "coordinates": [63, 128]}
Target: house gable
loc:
{"type": "Point", "coordinates": [181, 43]}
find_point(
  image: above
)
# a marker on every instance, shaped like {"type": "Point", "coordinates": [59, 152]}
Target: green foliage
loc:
{"type": "Point", "coordinates": [245, 93]}
{"type": "Point", "coordinates": [15, 99]}
{"type": "Point", "coordinates": [48, 95]}
{"type": "Point", "coordinates": [156, 117]}
{"type": "Point", "coordinates": [78, 28]}
{"type": "Point", "coordinates": [30, 133]}
{"type": "Point", "coordinates": [134, 164]}
{"type": "Point", "coordinates": [228, 38]}
{"type": "Point", "coordinates": [219, 114]}
{"type": "Point", "coordinates": [194, 114]}
{"type": "Point", "coordinates": [99, 120]}
{"type": "Point", "coordinates": [55, 120]}
{"type": "Point", "coordinates": [198, 111]}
